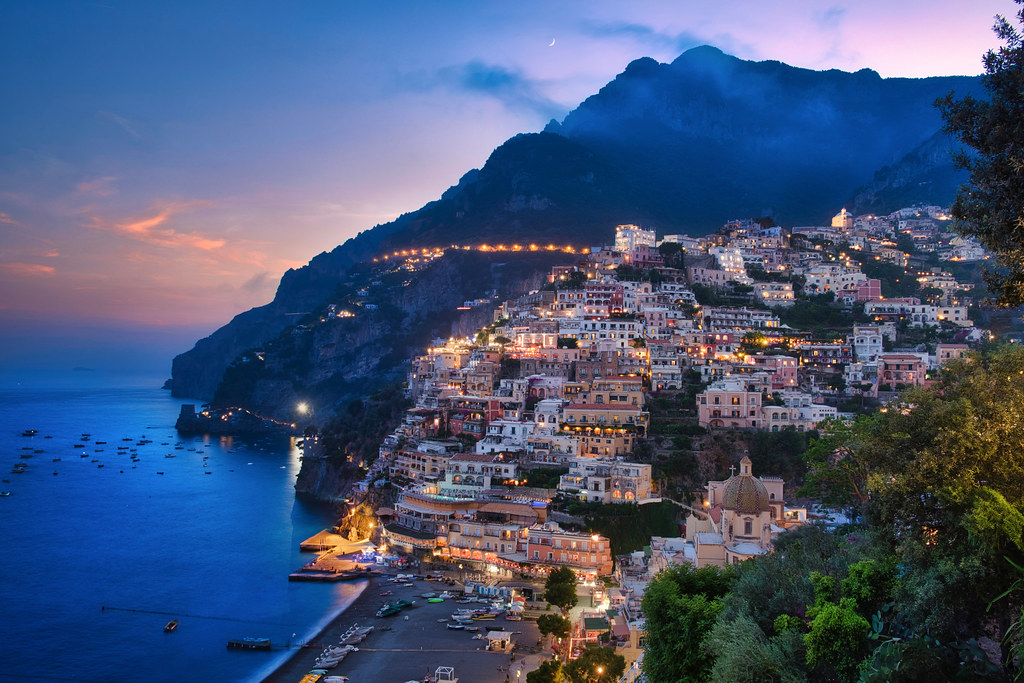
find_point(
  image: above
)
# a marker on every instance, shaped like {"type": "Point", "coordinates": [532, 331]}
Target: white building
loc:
{"type": "Point", "coordinates": [608, 481]}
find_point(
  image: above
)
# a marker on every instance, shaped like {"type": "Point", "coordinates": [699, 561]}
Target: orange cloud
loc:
{"type": "Point", "coordinates": [27, 268]}
{"type": "Point", "coordinates": [150, 230]}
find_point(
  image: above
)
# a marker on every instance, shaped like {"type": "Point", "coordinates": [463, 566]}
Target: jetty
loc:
{"type": "Point", "coordinates": [321, 541]}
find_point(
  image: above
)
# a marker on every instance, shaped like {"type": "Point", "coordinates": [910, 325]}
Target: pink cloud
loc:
{"type": "Point", "coordinates": [99, 187]}
{"type": "Point", "coordinates": [151, 229]}
{"type": "Point", "coordinates": [29, 269]}
{"type": "Point", "coordinates": [6, 218]}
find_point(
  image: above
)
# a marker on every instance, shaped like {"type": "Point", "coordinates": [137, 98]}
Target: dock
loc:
{"type": "Point", "coordinates": [322, 540]}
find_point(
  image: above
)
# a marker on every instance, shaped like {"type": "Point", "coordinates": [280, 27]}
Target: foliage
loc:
{"type": "Point", "coordinates": [629, 526]}
{"type": "Point", "coordinates": [355, 434]}
{"type": "Point", "coordinates": [745, 654]}
{"type": "Point", "coordinates": [554, 625]}
{"type": "Point", "coordinates": [816, 313]}
{"type": "Point", "coordinates": [836, 474]}
{"type": "Point", "coordinates": [674, 255]}
{"type": "Point", "coordinates": [560, 588]}
{"type": "Point", "coordinates": [585, 668]}
{"type": "Point", "coordinates": [549, 671]}
{"type": "Point", "coordinates": [681, 605]}
{"type": "Point", "coordinates": [545, 477]}
{"type": "Point", "coordinates": [837, 640]}
{"type": "Point", "coordinates": [779, 453]}
{"type": "Point", "coordinates": [991, 207]}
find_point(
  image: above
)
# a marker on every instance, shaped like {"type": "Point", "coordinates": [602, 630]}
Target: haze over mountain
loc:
{"type": "Point", "coordinates": [682, 147]}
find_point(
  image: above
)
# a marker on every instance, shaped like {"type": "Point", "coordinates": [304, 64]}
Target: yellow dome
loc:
{"type": "Point", "coordinates": [745, 493]}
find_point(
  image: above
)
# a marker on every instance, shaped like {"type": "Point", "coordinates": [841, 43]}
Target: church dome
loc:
{"type": "Point", "coordinates": [745, 493]}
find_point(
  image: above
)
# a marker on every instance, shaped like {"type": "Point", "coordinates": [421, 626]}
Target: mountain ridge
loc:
{"type": "Point", "coordinates": [682, 146]}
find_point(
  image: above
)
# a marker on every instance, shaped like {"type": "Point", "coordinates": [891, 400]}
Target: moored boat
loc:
{"type": "Point", "coordinates": [172, 625]}
{"type": "Point", "coordinates": [249, 644]}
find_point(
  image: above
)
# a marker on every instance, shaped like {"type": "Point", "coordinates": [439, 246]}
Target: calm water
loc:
{"type": "Point", "coordinates": [210, 542]}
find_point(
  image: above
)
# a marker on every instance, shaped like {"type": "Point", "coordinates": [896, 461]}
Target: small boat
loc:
{"type": "Point", "coordinates": [435, 600]}
{"type": "Point", "coordinates": [457, 627]}
{"type": "Point", "coordinates": [4, 494]}
{"type": "Point", "coordinates": [428, 595]}
{"type": "Point", "coordinates": [473, 629]}
{"type": "Point", "coordinates": [249, 644]}
{"type": "Point", "coordinates": [172, 625]}
{"type": "Point", "coordinates": [442, 621]}
{"type": "Point", "coordinates": [30, 432]}
{"type": "Point", "coordinates": [388, 611]}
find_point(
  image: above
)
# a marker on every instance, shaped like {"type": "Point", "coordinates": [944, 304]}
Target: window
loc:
{"type": "Point", "coordinates": [748, 527]}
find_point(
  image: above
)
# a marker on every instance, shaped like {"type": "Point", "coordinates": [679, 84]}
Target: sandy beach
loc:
{"type": "Point", "coordinates": [412, 644]}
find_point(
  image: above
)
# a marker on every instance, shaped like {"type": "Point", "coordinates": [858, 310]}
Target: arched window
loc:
{"type": "Point", "coordinates": [748, 527]}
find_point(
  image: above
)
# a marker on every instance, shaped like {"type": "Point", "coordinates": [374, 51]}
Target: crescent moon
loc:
{"type": "Point", "coordinates": [551, 43]}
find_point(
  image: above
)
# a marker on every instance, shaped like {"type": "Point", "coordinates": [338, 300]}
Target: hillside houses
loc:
{"type": "Point", "coordinates": [563, 375]}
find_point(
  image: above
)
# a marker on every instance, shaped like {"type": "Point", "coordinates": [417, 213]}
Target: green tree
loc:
{"type": "Point", "coordinates": [837, 641]}
{"type": "Point", "coordinates": [745, 654]}
{"type": "Point", "coordinates": [681, 605]}
{"type": "Point", "coordinates": [560, 589]}
{"type": "Point", "coordinates": [554, 625]}
{"type": "Point", "coordinates": [548, 672]}
{"type": "Point", "coordinates": [596, 665]}
{"type": "Point", "coordinates": [991, 207]}
{"type": "Point", "coordinates": [836, 474]}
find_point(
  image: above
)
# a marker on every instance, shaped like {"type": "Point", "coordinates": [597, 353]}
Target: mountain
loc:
{"type": "Point", "coordinates": [682, 146]}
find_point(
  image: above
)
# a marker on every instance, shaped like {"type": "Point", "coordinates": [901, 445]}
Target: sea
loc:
{"type": "Point", "coordinates": [117, 525]}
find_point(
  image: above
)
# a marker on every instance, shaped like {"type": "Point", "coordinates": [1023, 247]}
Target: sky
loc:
{"type": "Point", "coordinates": [163, 163]}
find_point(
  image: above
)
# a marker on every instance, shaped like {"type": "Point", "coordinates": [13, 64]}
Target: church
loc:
{"type": "Point", "coordinates": [742, 515]}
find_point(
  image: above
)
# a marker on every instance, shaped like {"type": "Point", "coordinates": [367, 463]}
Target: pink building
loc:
{"type": "Point", "coordinates": [783, 369]}
{"type": "Point", "coordinates": [729, 402]}
{"type": "Point", "coordinates": [901, 368]}
{"type": "Point", "coordinates": [867, 290]}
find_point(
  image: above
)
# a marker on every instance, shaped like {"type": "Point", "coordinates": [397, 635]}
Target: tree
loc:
{"type": "Point", "coordinates": [554, 625]}
{"type": "Point", "coordinates": [836, 474]}
{"type": "Point", "coordinates": [681, 605]}
{"type": "Point", "coordinates": [837, 640]}
{"type": "Point", "coordinates": [548, 672]}
{"type": "Point", "coordinates": [991, 207]}
{"type": "Point", "coordinates": [596, 664]}
{"type": "Point", "coordinates": [560, 589]}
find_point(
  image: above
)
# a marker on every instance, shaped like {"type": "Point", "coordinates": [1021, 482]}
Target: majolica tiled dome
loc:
{"type": "Point", "coordinates": [745, 493]}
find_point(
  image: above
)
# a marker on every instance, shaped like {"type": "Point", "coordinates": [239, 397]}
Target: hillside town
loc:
{"type": "Point", "coordinates": [563, 378]}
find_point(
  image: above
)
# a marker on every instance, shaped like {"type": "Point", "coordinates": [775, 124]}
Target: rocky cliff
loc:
{"type": "Point", "coordinates": [363, 334]}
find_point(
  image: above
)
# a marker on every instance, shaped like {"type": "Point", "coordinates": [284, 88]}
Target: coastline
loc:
{"type": "Point", "coordinates": [331, 626]}
{"type": "Point", "coordinates": [413, 644]}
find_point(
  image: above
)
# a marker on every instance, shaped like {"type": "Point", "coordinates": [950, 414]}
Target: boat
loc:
{"type": "Point", "coordinates": [435, 600]}
{"type": "Point", "coordinates": [30, 432]}
{"type": "Point", "coordinates": [428, 595]}
{"type": "Point", "coordinates": [442, 621]}
{"type": "Point", "coordinates": [4, 494]}
{"type": "Point", "coordinates": [172, 625]}
{"type": "Point", "coordinates": [388, 611]}
{"type": "Point", "coordinates": [249, 644]}
{"type": "Point", "coordinates": [457, 627]}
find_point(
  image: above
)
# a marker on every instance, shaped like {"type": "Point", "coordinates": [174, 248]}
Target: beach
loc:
{"type": "Point", "coordinates": [409, 646]}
